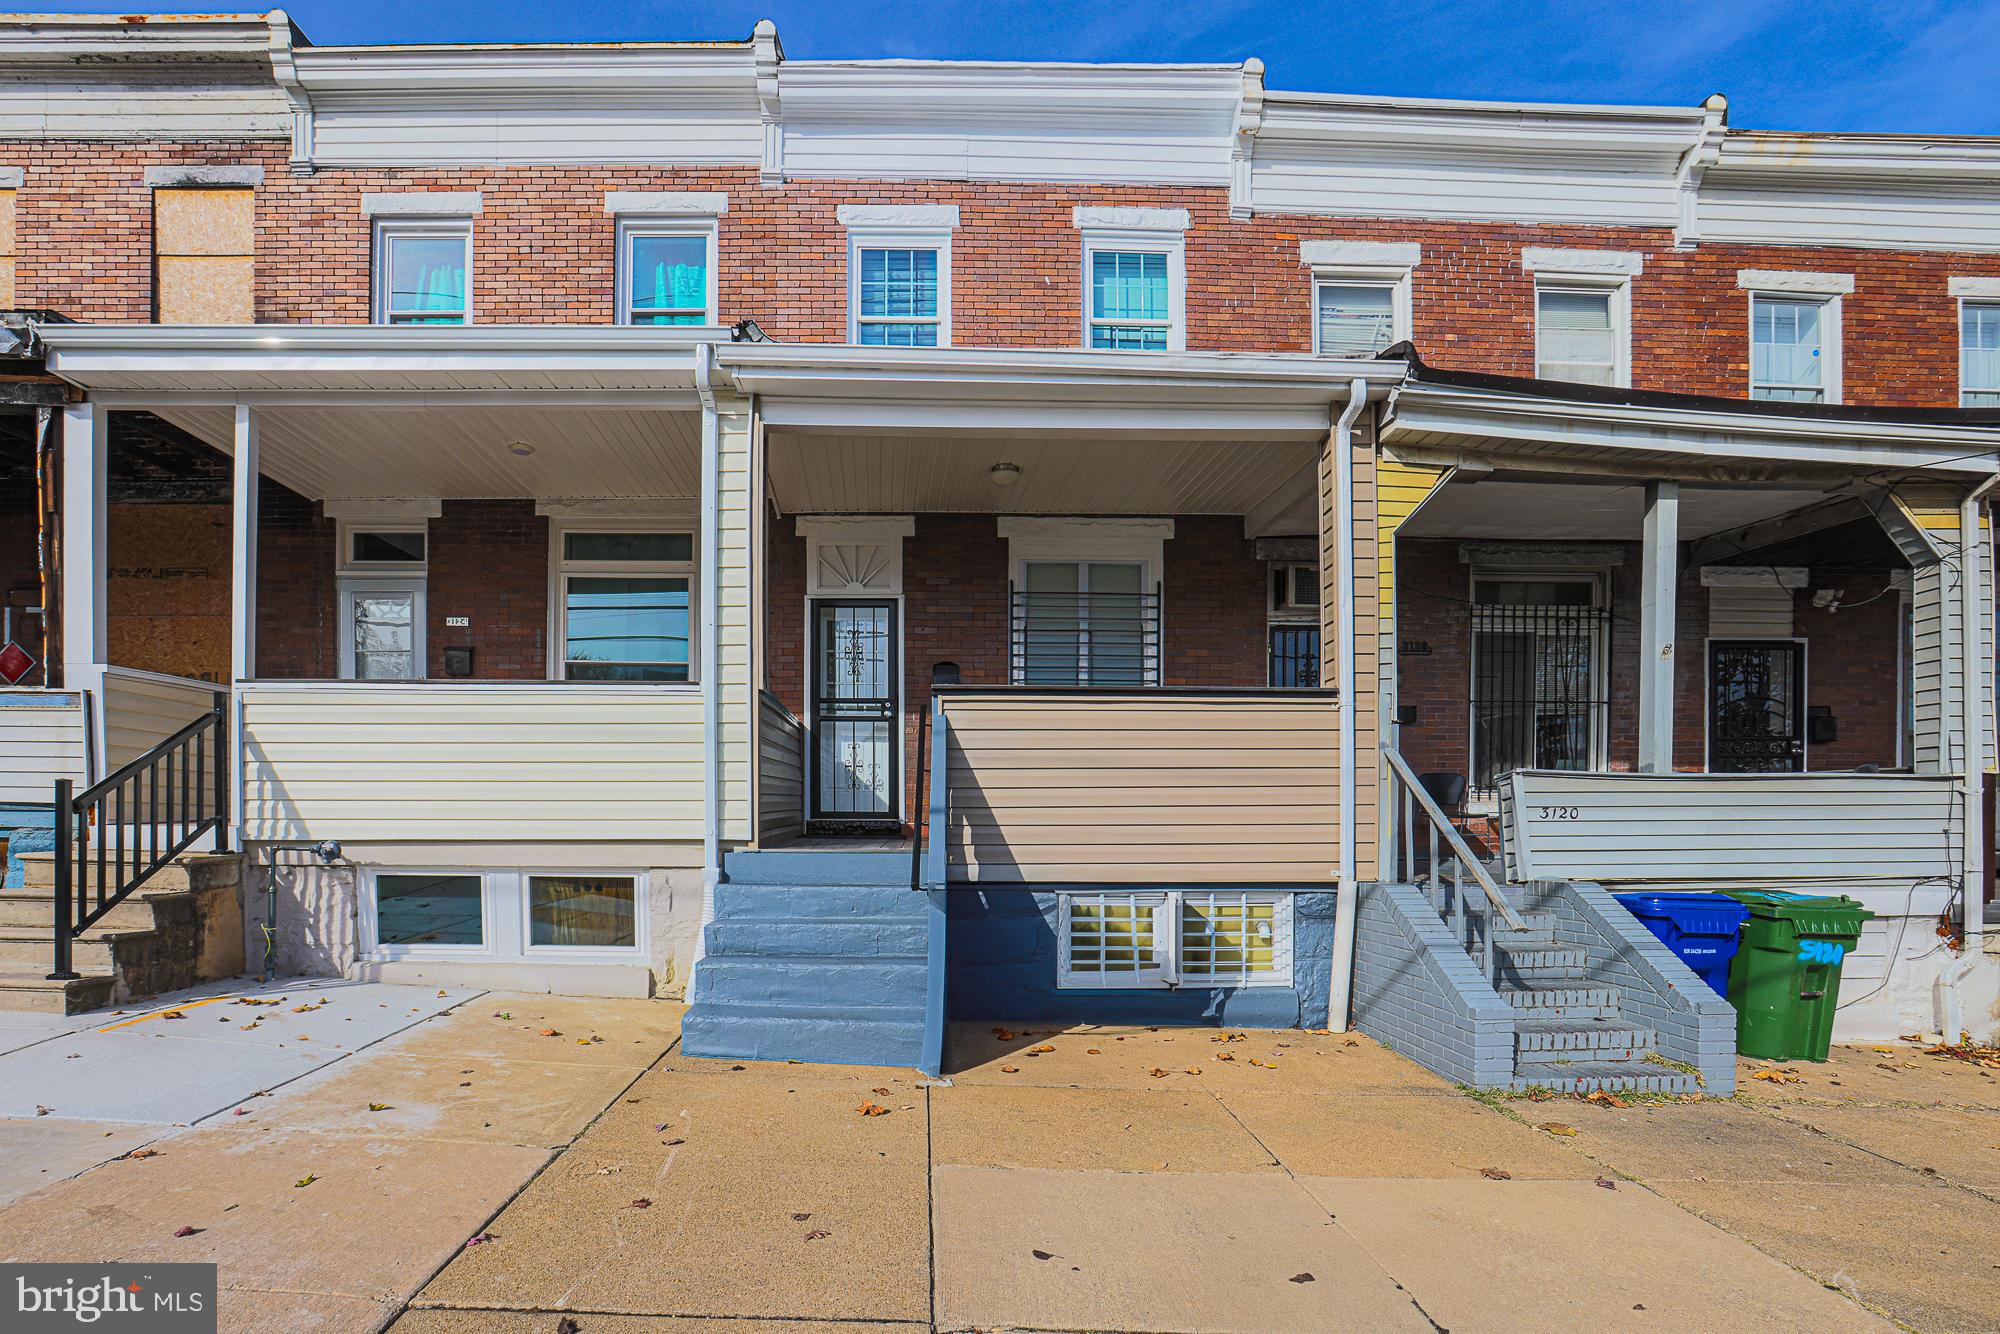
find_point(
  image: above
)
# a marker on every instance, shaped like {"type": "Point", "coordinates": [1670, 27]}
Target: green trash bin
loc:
{"type": "Point", "coordinates": [1785, 979]}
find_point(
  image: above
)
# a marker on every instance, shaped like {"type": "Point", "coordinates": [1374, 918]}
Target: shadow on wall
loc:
{"type": "Point", "coordinates": [318, 925]}
{"type": "Point", "coordinates": [1003, 948]}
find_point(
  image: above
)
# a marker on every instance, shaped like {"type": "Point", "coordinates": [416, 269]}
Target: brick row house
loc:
{"type": "Point", "coordinates": [856, 543]}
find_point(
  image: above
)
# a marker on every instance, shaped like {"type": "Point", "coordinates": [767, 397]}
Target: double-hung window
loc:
{"type": "Point", "coordinates": [899, 294]}
{"type": "Point", "coordinates": [1979, 354]}
{"type": "Point", "coordinates": [624, 603]}
{"type": "Point", "coordinates": [1203, 938]}
{"type": "Point", "coordinates": [1579, 335]}
{"type": "Point", "coordinates": [1134, 278]}
{"type": "Point", "coordinates": [1355, 319]}
{"type": "Point", "coordinates": [668, 274]}
{"type": "Point", "coordinates": [1361, 294]}
{"type": "Point", "coordinates": [423, 271]}
{"type": "Point", "coordinates": [1788, 348]}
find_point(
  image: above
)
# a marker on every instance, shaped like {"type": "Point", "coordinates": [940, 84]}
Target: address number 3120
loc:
{"type": "Point", "coordinates": [1556, 812]}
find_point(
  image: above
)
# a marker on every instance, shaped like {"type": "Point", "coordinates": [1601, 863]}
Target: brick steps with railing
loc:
{"type": "Point", "coordinates": [184, 925]}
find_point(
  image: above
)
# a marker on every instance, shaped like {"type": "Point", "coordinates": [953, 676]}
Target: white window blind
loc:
{"type": "Point", "coordinates": [1787, 349]}
{"type": "Point", "coordinates": [1576, 336]}
{"type": "Point", "coordinates": [1355, 319]}
{"type": "Point", "coordinates": [1979, 354]}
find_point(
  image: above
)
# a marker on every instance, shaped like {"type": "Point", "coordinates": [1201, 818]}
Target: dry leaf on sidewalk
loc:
{"type": "Point", "coordinates": [1778, 1076]}
{"type": "Point", "coordinates": [1556, 1128]}
{"type": "Point", "coordinates": [568, 1325]}
{"type": "Point", "coordinates": [817, 1234]}
{"type": "Point", "coordinates": [1043, 1047]}
{"type": "Point", "coordinates": [1607, 1183]}
{"type": "Point", "coordinates": [641, 1203]}
{"type": "Point", "coordinates": [378, 1106]}
{"type": "Point", "coordinates": [1157, 1073]}
{"type": "Point", "coordinates": [872, 1109]}
{"type": "Point", "coordinates": [1495, 1174]}
{"type": "Point", "coordinates": [1010, 1069]}
{"type": "Point", "coordinates": [305, 1181]}
{"type": "Point", "coordinates": [1301, 1278]}
{"type": "Point", "coordinates": [1224, 1056]}
{"type": "Point", "coordinates": [551, 1033]}
{"type": "Point", "coordinates": [1093, 1051]}
{"type": "Point", "coordinates": [143, 1153]}
{"type": "Point", "coordinates": [186, 1231]}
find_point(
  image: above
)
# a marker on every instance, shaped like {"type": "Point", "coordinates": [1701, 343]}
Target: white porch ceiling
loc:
{"type": "Point", "coordinates": [1567, 511]}
{"type": "Point", "coordinates": [462, 452]}
{"type": "Point", "coordinates": [867, 474]}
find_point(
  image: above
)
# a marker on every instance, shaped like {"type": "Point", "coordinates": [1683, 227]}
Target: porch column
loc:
{"type": "Point", "coordinates": [1658, 576]}
{"type": "Point", "coordinates": [83, 536]}
{"type": "Point", "coordinates": [243, 550]}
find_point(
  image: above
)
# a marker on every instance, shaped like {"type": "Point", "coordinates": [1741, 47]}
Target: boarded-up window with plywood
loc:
{"type": "Point", "coordinates": [204, 247]}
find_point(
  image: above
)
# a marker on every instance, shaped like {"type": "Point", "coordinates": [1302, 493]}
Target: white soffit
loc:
{"type": "Point", "coordinates": [1792, 280]}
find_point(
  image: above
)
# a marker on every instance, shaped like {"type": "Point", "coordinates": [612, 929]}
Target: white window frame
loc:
{"type": "Point", "coordinates": [561, 568]}
{"type": "Point", "coordinates": [505, 924]}
{"type": "Point", "coordinates": [388, 229]}
{"type": "Point", "coordinates": [1619, 288]}
{"type": "Point", "coordinates": [1290, 610]}
{"type": "Point", "coordinates": [1958, 347]}
{"type": "Point", "coordinates": [1150, 241]}
{"type": "Point", "coordinates": [705, 230]}
{"type": "Point", "coordinates": [1168, 972]}
{"type": "Point", "coordinates": [345, 530]}
{"type": "Point", "coordinates": [1599, 579]}
{"type": "Point", "coordinates": [1396, 280]}
{"type": "Point", "coordinates": [1139, 542]}
{"type": "Point", "coordinates": [350, 586]}
{"type": "Point", "coordinates": [1786, 285]}
{"type": "Point", "coordinates": [899, 238]}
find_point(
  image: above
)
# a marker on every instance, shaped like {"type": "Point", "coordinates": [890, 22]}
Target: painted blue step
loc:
{"type": "Point", "coordinates": [830, 986]}
{"type": "Point", "coordinates": [1639, 1076]}
{"type": "Point", "coordinates": [817, 867]}
{"type": "Point", "coordinates": [1579, 1039]}
{"type": "Point", "coordinates": [813, 937]}
{"type": "Point", "coordinates": [826, 902]}
{"type": "Point", "coordinates": [1562, 1002]}
{"type": "Point", "coordinates": [857, 1035]}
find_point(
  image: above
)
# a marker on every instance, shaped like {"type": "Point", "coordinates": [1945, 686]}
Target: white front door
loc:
{"type": "Point", "coordinates": [382, 629]}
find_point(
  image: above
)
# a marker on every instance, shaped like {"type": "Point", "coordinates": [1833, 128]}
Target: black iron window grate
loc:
{"type": "Point", "coordinates": [1084, 639]}
{"type": "Point", "coordinates": [1538, 689]}
{"type": "Point", "coordinates": [1295, 657]}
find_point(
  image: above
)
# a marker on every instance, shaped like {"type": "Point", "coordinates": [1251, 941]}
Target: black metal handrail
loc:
{"type": "Point", "coordinates": [165, 799]}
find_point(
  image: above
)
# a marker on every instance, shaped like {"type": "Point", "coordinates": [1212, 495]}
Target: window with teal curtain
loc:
{"type": "Point", "coordinates": [1129, 300]}
{"type": "Point", "coordinates": [897, 298]}
{"type": "Point", "coordinates": [426, 277]}
{"type": "Point", "coordinates": [667, 279]}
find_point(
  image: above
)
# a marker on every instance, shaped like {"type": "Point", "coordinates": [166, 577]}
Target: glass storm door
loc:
{"type": "Point", "coordinates": [1756, 707]}
{"type": "Point", "coordinates": [854, 711]}
{"type": "Point", "coordinates": [382, 630]}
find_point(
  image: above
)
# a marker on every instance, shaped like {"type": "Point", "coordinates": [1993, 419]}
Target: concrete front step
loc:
{"type": "Point", "coordinates": [35, 910]}
{"type": "Point", "coordinates": [812, 937]}
{"type": "Point", "coordinates": [27, 988]}
{"type": "Point", "coordinates": [89, 953]}
{"type": "Point", "coordinates": [829, 902]}
{"type": "Point", "coordinates": [1639, 1076]}
{"type": "Point", "coordinates": [832, 985]}
{"type": "Point", "coordinates": [817, 867]}
{"type": "Point", "coordinates": [1562, 1002]}
{"type": "Point", "coordinates": [1579, 1039]}
{"type": "Point", "coordinates": [858, 1035]}
{"type": "Point", "coordinates": [190, 870]}
{"type": "Point", "coordinates": [1537, 959]}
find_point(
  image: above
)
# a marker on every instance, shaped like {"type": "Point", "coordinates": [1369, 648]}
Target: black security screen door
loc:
{"type": "Point", "coordinates": [1756, 707]}
{"type": "Point", "coordinates": [854, 711]}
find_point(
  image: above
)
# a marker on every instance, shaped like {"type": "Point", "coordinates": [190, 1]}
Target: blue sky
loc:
{"type": "Point", "coordinates": [1915, 66]}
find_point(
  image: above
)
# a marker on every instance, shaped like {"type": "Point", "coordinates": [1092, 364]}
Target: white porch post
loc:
{"type": "Point", "coordinates": [1972, 582]}
{"type": "Point", "coordinates": [1658, 577]}
{"type": "Point", "coordinates": [83, 538]}
{"type": "Point", "coordinates": [242, 599]}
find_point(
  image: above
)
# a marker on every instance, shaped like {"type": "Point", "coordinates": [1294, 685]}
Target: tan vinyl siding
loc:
{"type": "Point", "coordinates": [432, 762]}
{"type": "Point", "coordinates": [738, 502]}
{"type": "Point", "coordinates": [781, 772]}
{"type": "Point", "coordinates": [1142, 788]}
{"type": "Point", "coordinates": [204, 247]}
{"type": "Point", "coordinates": [41, 740]}
{"type": "Point", "coordinates": [1702, 829]}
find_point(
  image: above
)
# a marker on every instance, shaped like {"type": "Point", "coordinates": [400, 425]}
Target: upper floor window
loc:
{"type": "Point", "coordinates": [1355, 319]}
{"type": "Point", "coordinates": [899, 295]}
{"type": "Point", "coordinates": [1361, 294]}
{"type": "Point", "coordinates": [669, 274]}
{"type": "Point", "coordinates": [1579, 334]}
{"type": "Point", "coordinates": [1788, 360]}
{"type": "Point", "coordinates": [423, 271]}
{"type": "Point", "coordinates": [1979, 354]}
{"type": "Point", "coordinates": [1134, 278]}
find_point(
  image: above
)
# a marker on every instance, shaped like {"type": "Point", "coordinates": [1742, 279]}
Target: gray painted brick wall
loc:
{"type": "Point", "coordinates": [1418, 991]}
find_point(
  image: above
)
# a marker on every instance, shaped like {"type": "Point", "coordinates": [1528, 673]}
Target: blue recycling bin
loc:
{"type": "Point", "coordinates": [1703, 929]}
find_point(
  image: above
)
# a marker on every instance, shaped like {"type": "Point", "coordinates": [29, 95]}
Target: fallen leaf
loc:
{"type": "Point", "coordinates": [1010, 1069]}
{"type": "Point", "coordinates": [305, 1181]}
{"type": "Point", "coordinates": [1194, 1069]}
{"type": "Point", "coordinates": [185, 1231]}
{"type": "Point", "coordinates": [800, 1218]}
{"type": "Point", "coordinates": [1157, 1073]}
{"type": "Point", "coordinates": [241, 1111]}
{"type": "Point", "coordinates": [1046, 1046]}
{"type": "Point", "coordinates": [1606, 1098]}
{"type": "Point", "coordinates": [1351, 1042]}
{"type": "Point", "coordinates": [1224, 1056]}
{"type": "Point", "coordinates": [173, 1014]}
{"type": "Point", "coordinates": [880, 1093]}
{"type": "Point", "coordinates": [41, 1110]}
{"type": "Point", "coordinates": [1556, 1128]}
{"type": "Point", "coordinates": [660, 1127]}
{"type": "Point", "coordinates": [1777, 1076]}
{"type": "Point", "coordinates": [1607, 1183]}
{"type": "Point", "coordinates": [817, 1234]}
{"type": "Point", "coordinates": [567, 1325]}
{"type": "Point", "coordinates": [1495, 1174]}
{"type": "Point", "coordinates": [1300, 1278]}
{"type": "Point", "coordinates": [550, 1033]}
{"type": "Point", "coordinates": [1005, 1035]}
{"type": "Point", "coordinates": [1044, 1255]}
{"type": "Point", "coordinates": [641, 1203]}
{"type": "Point", "coordinates": [872, 1109]}
{"type": "Point", "coordinates": [378, 1106]}
{"type": "Point", "coordinates": [1092, 1051]}
{"type": "Point", "coordinates": [143, 1153]}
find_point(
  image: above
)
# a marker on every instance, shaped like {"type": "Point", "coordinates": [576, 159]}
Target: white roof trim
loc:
{"type": "Point", "coordinates": [666, 203]}
{"type": "Point", "coordinates": [1789, 280]}
{"type": "Point", "coordinates": [1974, 287]}
{"type": "Point", "coordinates": [929, 217]}
{"type": "Point", "coordinates": [175, 177]}
{"type": "Point", "coordinates": [424, 204]}
{"type": "Point", "coordinates": [1117, 218]}
{"type": "Point", "coordinates": [1543, 259]}
{"type": "Point", "coordinates": [1361, 254]}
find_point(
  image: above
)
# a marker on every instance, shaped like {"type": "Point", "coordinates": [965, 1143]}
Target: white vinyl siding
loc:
{"type": "Point", "coordinates": [41, 740]}
{"type": "Point", "coordinates": [1231, 938]}
{"type": "Point", "coordinates": [1979, 354]}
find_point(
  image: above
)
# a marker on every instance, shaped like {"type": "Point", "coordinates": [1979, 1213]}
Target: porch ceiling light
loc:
{"type": "Point", "coordinates": [1005, 474]}
{"type": "Point", "coordinates": [520, 449]}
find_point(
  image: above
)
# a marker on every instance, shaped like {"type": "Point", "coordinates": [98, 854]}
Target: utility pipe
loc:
{"type": "Point", "coordinates": [1340, 990]}
{"type": "Point", "coordinates": [711, 657]}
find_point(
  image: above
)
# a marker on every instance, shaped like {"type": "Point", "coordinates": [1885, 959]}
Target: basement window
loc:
{"type": "Point", "coordinates": [503, 914]}
{"type": "Point", "coordinates": [1210, 938]}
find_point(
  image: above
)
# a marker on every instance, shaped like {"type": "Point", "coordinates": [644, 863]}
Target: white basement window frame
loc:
{"type": "Point", "coordinates": [507, 927]}
{"type": "Point", "coordinates": [423, 303]}
{"type": "Point", "coordinates": [1118, 940]}
{"type": "Point", "coordinates": [682, 305]}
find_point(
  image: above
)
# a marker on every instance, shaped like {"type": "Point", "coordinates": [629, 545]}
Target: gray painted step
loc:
{"type": "Point", "coordinates": [1563, 1002]}
{"type": "Point", "coordinates": [1540, 957]}
{"type": "Point", "coordinates": [1579, 1039]}
{"type": "Point", "coordinates": [809, 937]}
{"type": "Point", "coordinates": [859, 1035]}
{"type": "Point", "coordinates": [1616, 1076]}
{"type": "Point", "coordinates": [833, 986]}
{"type": "Point", "coordinates": [818, 867]}
{"type": "Point", "coordinates": [835, 902]}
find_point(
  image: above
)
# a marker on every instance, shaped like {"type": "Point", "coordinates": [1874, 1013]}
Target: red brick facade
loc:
{"type": "Point", "coordinates": [544, 253]}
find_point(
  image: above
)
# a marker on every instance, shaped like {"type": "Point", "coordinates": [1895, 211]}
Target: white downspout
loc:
{"type": "Point", "coordinates": [1972, 709]}
{"type": "Point", "coordinates": [1340, 990]}
{"type": "Point", "coordinates": [711, 684]}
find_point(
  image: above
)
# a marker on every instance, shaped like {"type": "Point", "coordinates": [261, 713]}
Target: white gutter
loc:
{"type": "Point", "coordinates": [1340, 989]}
{"type": "Point", "coordinates": [711, 656]}
{"type": "Point", "coordinates": [1972, 713]}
